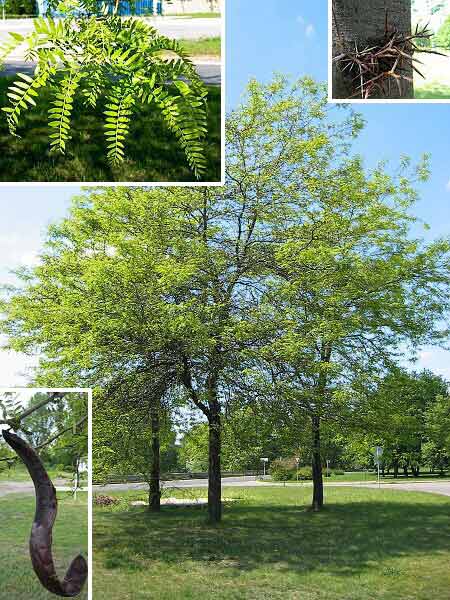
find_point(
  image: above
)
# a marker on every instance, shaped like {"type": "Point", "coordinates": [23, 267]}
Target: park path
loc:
{"type": "Point", "coordinates": [27, 487]}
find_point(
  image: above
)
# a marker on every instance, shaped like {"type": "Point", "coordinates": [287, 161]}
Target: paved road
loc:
{"type": "Point", "coordinates": [438, 487]}
{"type": "Point", "coordinates": [173, 27]}
{"type": "Point", "coordinates": [27, 487]}
{"type": "Point", "coordinates": [208, 71]}
{"type": "Point", "coordinates": [433, 487]}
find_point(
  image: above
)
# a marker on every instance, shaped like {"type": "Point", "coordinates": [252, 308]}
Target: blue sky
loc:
{"type": "Point", "coordinates": [263, 37]}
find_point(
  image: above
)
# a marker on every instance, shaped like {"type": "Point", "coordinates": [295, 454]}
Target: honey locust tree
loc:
{"type": "Point", "coordinates": [354, 292]}
{"type": "Point", "coordinates": [120, 63]}
{"type": "Point", "coordinates": [176, 275]}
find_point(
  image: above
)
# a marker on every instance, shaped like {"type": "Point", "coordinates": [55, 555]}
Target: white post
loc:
{"type": "Point", "coordinates": [378, 455]}
{"type": "Point", "coordinates": [264, 461]}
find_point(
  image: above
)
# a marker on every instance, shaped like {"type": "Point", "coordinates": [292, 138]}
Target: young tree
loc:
{"type": "Point", "coordinates": [364, 24]}
{"type": "Point", "coordinates": [354, 290]}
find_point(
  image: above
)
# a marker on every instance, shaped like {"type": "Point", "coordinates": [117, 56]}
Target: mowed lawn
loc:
{"type": "Point", "coordinates": [365, 545]}
{"type": "Point", "coordinates": [436, 69]}
{"type": "Point", "coordinates": [152, 151]}
{"type": "Point", "coordinates": [19, 473]}
{"type": "Point", "coordinates": [70, 536]}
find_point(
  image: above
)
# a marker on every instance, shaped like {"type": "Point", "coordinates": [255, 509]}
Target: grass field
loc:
{"type": "Point", "coordinates": [20, 473]}
{"type": "Point", "coordinates": [371, 476]}
{"type": "Point", "coordinates": [204, 46]}
{"type": "Point", "coordinates": [365, 545]}
{"type": "Point", "coordinates": [197, 15]}
{"type": "Point", "coordinates": [433, 91]}
{"type": "Point", "coordinates": [436, 84]}
{"type": "Point", "coordinates": [17, 579]}
{"type": "Point", "coordinates": [153, 152]}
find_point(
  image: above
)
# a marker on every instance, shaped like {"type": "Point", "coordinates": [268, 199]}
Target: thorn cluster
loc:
{"type": "Point", "coordinates": [374, 68]}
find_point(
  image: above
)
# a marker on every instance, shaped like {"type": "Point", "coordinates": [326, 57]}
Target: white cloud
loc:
{"type": "Point", "coordinates": [448, 185]}
{"type": "Point", "coordinates": [15, 367]}
{"type": "Point", "coordinates": [310, 30]}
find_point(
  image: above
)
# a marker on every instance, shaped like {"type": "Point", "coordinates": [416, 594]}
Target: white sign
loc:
{"type": "Point", "coordinates": [378, 451]}
{"type": "Point", "coordinates": [265, 459]}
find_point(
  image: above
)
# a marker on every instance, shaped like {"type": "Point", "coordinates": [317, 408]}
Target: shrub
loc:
{"type": "Point", "coordinates": [281, 469]}
{"type": "Point", "coordinates": [338, 472]}
{"type": "Point", "coordinates": [304, 473]}
{"type": "Point", "coordinates": [21, 7]}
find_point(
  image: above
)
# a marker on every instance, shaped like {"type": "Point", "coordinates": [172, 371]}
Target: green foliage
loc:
{"type": "Point", "coordinates": [194, 449]}
{"type": "Point", "coordinates": [21, 7]}
{"type": "Point", "coordinates": [122, 63]}
{"type": "Point", "coordinates": [289, 295]}
{"type": "Point", "coordinates": [282, 470]}
{"type": "Point", "coordinates": [442, 38]}
{"type": "Point", "coordinates": [285, 469]}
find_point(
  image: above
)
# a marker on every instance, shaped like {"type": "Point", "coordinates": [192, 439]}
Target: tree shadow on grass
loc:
{"type": "Point", "coordinates": [152, 151]}
{"type": "Point", "coordinates": [344, 539]}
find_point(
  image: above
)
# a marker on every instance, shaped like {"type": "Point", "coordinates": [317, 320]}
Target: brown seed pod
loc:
{"type": "Point", "coordinates": [41, 532]}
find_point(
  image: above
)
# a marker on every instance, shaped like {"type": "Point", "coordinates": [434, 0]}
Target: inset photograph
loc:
{"type": "Point", "coordinates": [44, 493]}
{"type": "Point", "coordinates": [111, 92]}
{"type": "Point", "coordinates": [389, 49]}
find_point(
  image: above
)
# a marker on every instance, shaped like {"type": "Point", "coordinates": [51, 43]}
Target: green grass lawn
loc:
{"type": "Point", "coordinates": [203, 47]}
{"type": "Point", "coordinates": [372, 476]}
{"type": "Point", "coordinates": [20, 473]}
{"type": "Point", "coordinates": [365, 545]}
{"type": "Point", "coordinates": [153, 152]}
{"type": "Point", "coordinates": [17, 578]}
{"type": "Point", "coordinates": [433, 91]}
{"type": "Point", "coordinates": [198, 15]}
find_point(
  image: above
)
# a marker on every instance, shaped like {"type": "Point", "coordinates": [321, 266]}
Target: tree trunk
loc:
{"type": "Point", "coordinates": [154, 496]}
{"type": "Point", "coordinates": [363, 23]}
{"type": "Point", "coordinates": [214, 471]}
{"type": "Point", "coordinates": [317, 501]}
{"type": "Point", "coordinates": [405, 470]}
{"type": "Point", "coordinates": [395, 470]}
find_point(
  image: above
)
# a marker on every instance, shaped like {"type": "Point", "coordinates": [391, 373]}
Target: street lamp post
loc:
{"type": "Point", "coordinates": [297, 460]}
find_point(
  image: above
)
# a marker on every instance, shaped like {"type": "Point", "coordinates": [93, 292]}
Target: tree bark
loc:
{"type": "Point", "coordinates": [317, 501]}
{"type": "Point", "coordinates": [214, 469]}
{"type": "Point", "coordinates": [363, 23]}
{"type": "Point", "coordinates": [154, 496]}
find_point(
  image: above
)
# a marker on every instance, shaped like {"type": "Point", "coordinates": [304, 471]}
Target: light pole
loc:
{"type": "Point", "coordinates": [297, 460]}
{"type": "Point", "coordinates": [328, 468]}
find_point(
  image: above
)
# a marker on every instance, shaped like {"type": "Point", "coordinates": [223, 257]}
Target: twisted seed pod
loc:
{"type": "Point", "coordinates": [41, 532]}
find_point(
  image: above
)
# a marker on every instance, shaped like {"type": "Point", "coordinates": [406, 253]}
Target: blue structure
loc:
{"type": "Point", "coordinates": [127, 8]}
